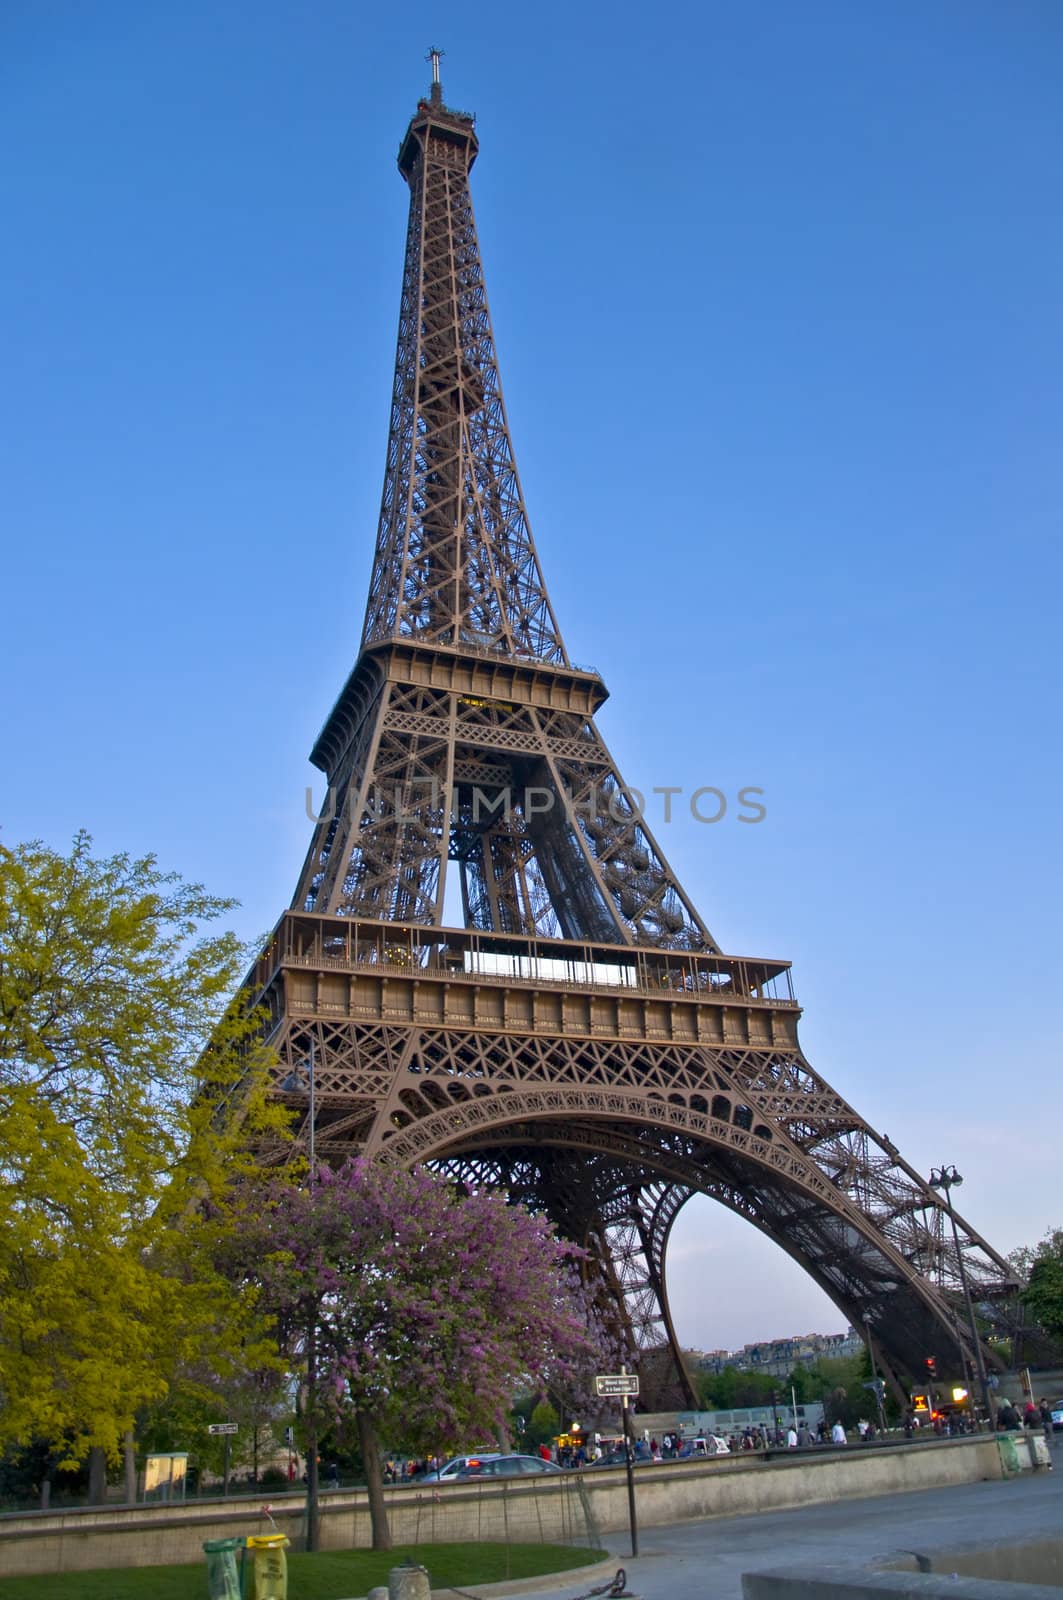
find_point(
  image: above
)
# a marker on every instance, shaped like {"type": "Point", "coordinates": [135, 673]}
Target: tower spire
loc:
{"type": "Point", "coordinates": [434, 55]}
{"type": "Point", "coordinates": [455, 561]}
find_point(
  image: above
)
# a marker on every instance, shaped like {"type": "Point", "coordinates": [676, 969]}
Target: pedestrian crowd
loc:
{"type": "Point", "coordinates": [1031, 1416]}
{"type": "Point", "coordinates": [943, 1424]}
{"type": "Point", "coordinates": [673, 1447]}
{"type": "Point", "coordinates": [398, 1470]}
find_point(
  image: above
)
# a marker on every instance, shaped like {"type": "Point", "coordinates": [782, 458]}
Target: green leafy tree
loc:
{"type": "Point", "coordinates": [831, 1373]}
{"type": "Point", "coordinates": [839, 1383]}
{"type": "Point", "coordinates": [734, 1387]}
{"type": "Point", "coordinates": [23, 1468]}
{"type": "Point", "coordinates": [258, 1402]}
{"type": "Point", "coordinates": [544, 1424]}
{"type": "Point", "coordinates": [115, 1127]}
{"type": "Point", "coordinates": [1044, 1286]}
{"type": "Point", "coordinates": [716, 1390]}
{"type": "Point", "coordinates": [1024, 1259]}
{"type": "Point", "coordinates": [799, 1384]}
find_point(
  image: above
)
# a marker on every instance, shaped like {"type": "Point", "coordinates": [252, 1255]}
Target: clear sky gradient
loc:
{"type": "Point", "coordinates": [776, 292]}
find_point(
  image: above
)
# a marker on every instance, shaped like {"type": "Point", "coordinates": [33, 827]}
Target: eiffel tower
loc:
{"type": "Point", "coordinates": [580, 1039]}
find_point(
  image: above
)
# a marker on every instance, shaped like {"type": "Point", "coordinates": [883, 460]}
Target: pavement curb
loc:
{"type": "Point", "coordinates": [578, 1578]}
{"type": "Point", "coordinates": [582, 1579]}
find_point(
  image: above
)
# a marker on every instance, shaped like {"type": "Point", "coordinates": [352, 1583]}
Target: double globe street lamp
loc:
{"type": "Point", "coordinates": [946, 1179]}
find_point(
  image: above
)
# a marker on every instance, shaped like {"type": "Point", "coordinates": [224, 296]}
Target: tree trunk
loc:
{"type": "Point", "coordinates": [374, 1481]}
{"type": "Point", "coordinates": [313, 1510]}
{"type": "Point", "coordinates": [313, 1483]}
{"type": "Point", "coordinates": [97, 1476]}
{"type": "Point", "coordinates": [130, 1464]}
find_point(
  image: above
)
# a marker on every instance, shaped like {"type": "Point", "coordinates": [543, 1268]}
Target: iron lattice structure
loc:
{"type": "Point", "coordinates": [580, 1039]}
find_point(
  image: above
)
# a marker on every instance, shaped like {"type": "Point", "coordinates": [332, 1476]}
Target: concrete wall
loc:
{"type": "Point", "coordinates": [572, 1509]}
{"type": "Point", "coordinates": [736, 1486]}
{"type": "Point", "coordinates": [122, 1536]}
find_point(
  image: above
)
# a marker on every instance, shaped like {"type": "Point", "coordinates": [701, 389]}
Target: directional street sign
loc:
{"type": "Point", "coordinates": [623, 1385]}
{"type": "Point", "coordinates": [224, 1427]}
{"type": "Point", "coordinates": [616, 1383]}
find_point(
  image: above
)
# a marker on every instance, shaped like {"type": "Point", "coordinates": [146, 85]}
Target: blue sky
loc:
{"type": "Point", "coordinates": [776, 297]}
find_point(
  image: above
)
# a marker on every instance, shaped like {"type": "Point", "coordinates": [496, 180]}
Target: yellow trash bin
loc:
{"type": "Point", "coordinates": [269, 1565]}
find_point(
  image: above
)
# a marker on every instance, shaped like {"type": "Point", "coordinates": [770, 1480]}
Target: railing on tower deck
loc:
{"type": "Point", "coordinates": [467, 646]}
{"type": "Point", "coordinates": [447, 111]}
{"type": "Point", "coordinates": [346, 944]}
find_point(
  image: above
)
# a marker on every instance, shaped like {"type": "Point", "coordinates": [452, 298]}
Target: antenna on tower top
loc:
{"type": "Point", "coordinates": [434, 55]}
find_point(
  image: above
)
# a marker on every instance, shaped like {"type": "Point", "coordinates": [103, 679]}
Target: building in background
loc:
{"type": "Point", "coordinates": [777, 1358]}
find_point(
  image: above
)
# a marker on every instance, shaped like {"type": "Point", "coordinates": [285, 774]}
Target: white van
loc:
{"type": "Point", "coordinates": [709, 1444]}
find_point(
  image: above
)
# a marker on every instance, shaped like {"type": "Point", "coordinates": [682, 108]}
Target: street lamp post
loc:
{"type": "Point", "coordinates": [876, 1381]}
{"type": "Point", "coordinates": [946, 1179]}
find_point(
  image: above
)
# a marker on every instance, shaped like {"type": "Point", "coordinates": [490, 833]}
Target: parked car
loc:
{"type": "Point", "coordinates": [453, 1469]}
{"type": "Point", "coordinates": [617, 1458]}
{"type": "Point", "coordinates": [507, 1467]}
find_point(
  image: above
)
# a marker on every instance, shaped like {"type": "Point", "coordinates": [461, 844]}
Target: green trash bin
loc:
{"type": "Point", "coordinates": [1009, 1454]}
{"type": "Point", "coordinates": [223, 1574]}
{"type": "Point", "coordinates": [270, 1565]}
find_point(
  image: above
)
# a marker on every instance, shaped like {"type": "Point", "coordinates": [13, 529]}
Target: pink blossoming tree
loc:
{"type": "Point", "coordinates": [408, 1305]}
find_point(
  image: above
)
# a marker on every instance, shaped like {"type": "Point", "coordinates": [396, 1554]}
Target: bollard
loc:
{"type": "Point", "coordinates": [409, 1582]}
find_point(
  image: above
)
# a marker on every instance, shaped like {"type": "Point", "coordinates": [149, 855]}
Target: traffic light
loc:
{"type": "Point", "coordinates": [931, 1366]}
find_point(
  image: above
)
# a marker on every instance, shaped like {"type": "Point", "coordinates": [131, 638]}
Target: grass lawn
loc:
{"type": "Point", "coordinates": [327, 1575]}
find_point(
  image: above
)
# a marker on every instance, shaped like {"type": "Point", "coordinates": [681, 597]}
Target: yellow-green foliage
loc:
{"type": "Point", "coordinates": [116, 1156]}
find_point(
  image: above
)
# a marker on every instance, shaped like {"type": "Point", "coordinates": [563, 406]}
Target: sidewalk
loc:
{"type": "Point", "coordinates": [705, 1560]}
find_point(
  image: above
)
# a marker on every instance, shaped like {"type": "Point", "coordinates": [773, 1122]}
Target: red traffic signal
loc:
{"type": "Point", "coordinates": [931, 1366]}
